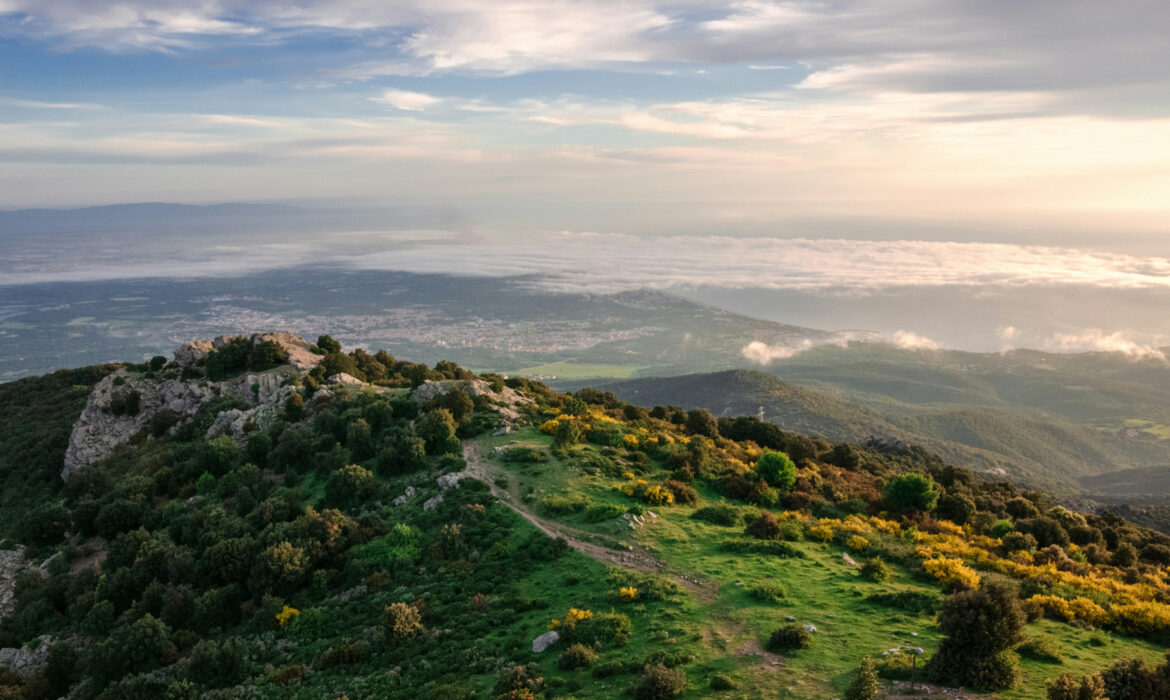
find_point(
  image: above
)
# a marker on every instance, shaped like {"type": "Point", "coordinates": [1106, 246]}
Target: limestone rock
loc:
{"type": "Point", "coordinates": [99, 430]}
{"type": "Point", "coordinates": [448, 481]}
{"type": "Point", "coordinates": [545, 641]}
{"type": "Point", "coordinates": [431, 503]}
{"type": "Point", "coordinates": [11, 562]}
{"type": "Point", "coordinates": [27, 660]}
{"type": "Point", "coordinates": [343, 378]}
{"type": "Point", "coordinates": [406, 496]}
{"type": "Point", "coordinates": [193, 353]}
{"type": "Point", "coordinates": [297, 350]}
{"type": "Point", "coordinates": [427, 390]}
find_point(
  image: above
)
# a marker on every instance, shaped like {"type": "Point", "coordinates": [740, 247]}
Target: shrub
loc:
{"type": "Point", "coordinates": [524, 455]}
{"type": "Point", "coordinates": [857, 544]}
{"type": "Point", "coordinates": [628, 593]}
{"type": "Point", "coordinates": [777, 470]}
{"type": "Point", "coordinates": [778, 549]}
{"type": "Point", "coordinates": [722, 681]}
{"type": "Point", "coordinates": [790, 637]}
{"type": "Point", "coordinates": [720, 514]}
{"type": "Point", "coordinates": [683, 493]}
{"type": "Point", "coordinates": [768, 592]}
{"type": "Point", "coordinates": [602, 629]}
{"type": "Point", "coordinates": [980, 628]}
{"type": "Point", "coordinates": [865, 685]}
{"type": "Point", "coordinates": [951, 573]}
{"type": "Point", "coordinates": [874, 569]}
{"type": "Point", "coordinates": [1130, 679]}
{"type": "Point", "coordinates": [575, 657]}
{"type": "Point", "coordinates": [764, 527]}
{"type": "Point", "coordinates": [558, 504]}
{"type": "Point", "coordinates": [402, 620]}
{"type": "Point", "coordinates": [1044, 648]}
{"type": "Point", "coordinates": [646, 586]}
{"type": "Point", "coordinates": [660, 683]}
{"type": "Point", "coordinates": [1066, 688]}
{"type": "Point", "coordinates": [910, 491]}
{"type": "Point", "coordinates": [601, 513]}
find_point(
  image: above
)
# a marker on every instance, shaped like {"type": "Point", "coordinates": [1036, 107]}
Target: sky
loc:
{"type": "Point", "coordinates": [799, 146]}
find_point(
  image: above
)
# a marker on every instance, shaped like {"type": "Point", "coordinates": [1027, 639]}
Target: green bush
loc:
{"type": "Point", "coordinates": [772, 547]}
{"type": "Point", "coordinates": [722, 681]}
{"type": "Point", "coordinates": [1045, 648]}
{"type": "Point", "coordinates": [603, 512]}
{"type": "Point", "coordinates": [865, 685]}
{"type": "Point", "coordinates": [790, 637]}
{"type": "Point", "coordinates": [603, 629]}
{"type": "Point", "coordinates": [769, 592]}
{"type": "Point", "coordinates": [558, 504]}
{"type": "Point", "coordinates": [524, 455]}
{"type": "Point", "coordinates": [719, 514]}
{"type": "Point", "coordinates": [661, 683]}
{"type": "Point", "coordinates": [575, 657]}
{"type": "Point", "coordinates": [910, 491]}
{"type": "Point", "coordinates": [874, 569]}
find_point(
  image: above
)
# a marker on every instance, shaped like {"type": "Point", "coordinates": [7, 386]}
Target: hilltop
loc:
{"type": "Point", "coordinates": [264, 516]}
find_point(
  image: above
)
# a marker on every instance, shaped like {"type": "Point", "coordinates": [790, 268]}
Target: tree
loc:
{"type": "Point", "coordinates": [437, 429]}
{"type": "Point", "coordinates": [955, 507]}
{"type": "Point", "coordinates": [980, 628]}
{"type": "Point", "coordinates": [701, 422]}
{"type": "Point", "coordinates": [776, 469]}
{"type": "Point", "coordinates": [403, 453]}
{"type": "Point", "coordinates": [350, 486]}
{"type": "Point", "coordinates": [459, 403]}
{"type": "Point", "coordinates": [157, 362]}
{"type": "Point", "coordinates": [568, 434]}
{"type": "Point", "coordinates": [328, 344]}
{"type": "Point", "coordinates": [909, 492]}
{"type": "Point", "coordinates": [360, 440]}
{"type": "Point", "coordinates": [865, 685]}
{"type": "Point", "coordinates": [403, 621]}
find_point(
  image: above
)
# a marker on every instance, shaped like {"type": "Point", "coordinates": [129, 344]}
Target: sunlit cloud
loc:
{"type": "Point", "coordinates": [1100, 341]}
{"type": "Point", "coordinates": [909, 340]}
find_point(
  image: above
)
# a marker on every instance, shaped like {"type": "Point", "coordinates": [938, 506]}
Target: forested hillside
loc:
{"type": "Point", "coordinates": [358, 526]}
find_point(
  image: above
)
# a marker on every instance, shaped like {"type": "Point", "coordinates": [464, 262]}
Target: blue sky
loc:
{"type": "Point", "coordinates": [1043, 113]}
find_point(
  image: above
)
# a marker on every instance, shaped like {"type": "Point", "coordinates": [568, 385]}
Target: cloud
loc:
{"type": "Point", "coordinates": [764, 354]}
{"type": "Point", "coordinates": [1100, 341]}
{"type": "Point", "coordinates": [909, 340]}
{"type": "Point", "coordinates": [621, 262]}
{"type": "Point", "coordinates": [406, 100]}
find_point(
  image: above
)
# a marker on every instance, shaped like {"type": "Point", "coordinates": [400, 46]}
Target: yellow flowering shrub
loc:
{"type": "Point", "coordinates": [628, 593]}
{"type": "Point", "coordinates": [1068, 610]}
{"type": "Point", "coordinates": [571, 619]}
{"type": "Point", "coordinates": [951, 573]}
{"type": "Point", "coordinates": [658, 496]}
{"type": "Point", "coordinates": [630, 441]}
{"type": "Point", "coordinates": [1142, 618]}
{"type": "Point", "coordinates": [857, 544]}
{"type": "Point", "coordinates": [824, 533]}
{"type": "Point", "coordinates": [286, 613]}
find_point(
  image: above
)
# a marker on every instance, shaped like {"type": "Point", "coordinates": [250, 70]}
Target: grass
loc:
{"type": "Point", "coordinates": [724, 627]}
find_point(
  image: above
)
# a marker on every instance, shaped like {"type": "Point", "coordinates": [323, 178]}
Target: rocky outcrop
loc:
{"type": "Point", "coordinates": [27, 660]}
{"type": "Point", "coordinates": [297, 351]}
{"type": "Point", "coordinates": [343, 378]}
{"type": "Point", "coordinates": [193, 353]}
{"type": "Point", "coordinates": [11, 562]}
{"type": "Point", "coordinates": [113, 415]}
{"type": "Point", "coordinates": [122, 405]}
{"type": "Point", "coordinates": [506, 401]}
{"type": "Point", "coordinates": [545, 641]}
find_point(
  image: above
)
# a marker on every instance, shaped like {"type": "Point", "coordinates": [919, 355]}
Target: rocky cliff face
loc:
{"type": "Point", "coordinates": [123, 404]}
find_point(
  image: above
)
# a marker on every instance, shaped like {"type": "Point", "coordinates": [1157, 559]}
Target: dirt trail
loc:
{"type": "Point", "coordinates": [477, 467]}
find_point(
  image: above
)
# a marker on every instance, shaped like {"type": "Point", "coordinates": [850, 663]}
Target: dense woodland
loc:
{"type": "Point", "coordinates": [279, 565]}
